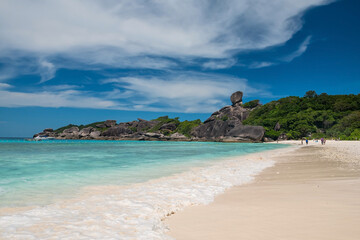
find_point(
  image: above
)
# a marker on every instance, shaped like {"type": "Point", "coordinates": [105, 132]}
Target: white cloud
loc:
{"type": "Point", "coordinates": [219, 64]}
{"type": "Point", "coordinates": [184, 92]}
{"type": "Point", "coordinates": [288, 58]}
{"type": "Point", "coordinates": [300, 51]}
{"type": "Point", "coordinates": [171, 92]}
{"type": "Point", "coordinates": [116, 94]}
{"type": "Point", "coordinates": [256, 65]}
{"type": "Point", "coordinates": [61, 87]}
{"type": "Point", "coordinates": [141, 34]}
{"type": "Point", "coordinates": [135, 27]}
{"type": "Point", "coordinates": [16, 63]}
{"type": "Point", "coordinates": [47, 70]}
{"type": "Point", "coordinates": [5, 86]}
{"type": "Point", "coordinates": [69, 98]}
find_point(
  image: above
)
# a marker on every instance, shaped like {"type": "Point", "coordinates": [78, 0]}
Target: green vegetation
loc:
{"type": "Point", "coordinates": [164, 125]}
{"type": "Point", "coordinates": [90, 125]}
{"type": "Point", "coordinates": [164, 120]}
{"type": "Point", "coordinates": [331, 116]}
{"type": "Point", "coordinates": [314, 116]}
{"type": "Point", "coordinates": [186, 127]}
{"type": "Point", "coordinates": [60, 130]}
{"type": "Point", "coordinates": [225, 118]}
{"type": "Point", "coordinates": [133, 129]}
{"type": "Point", "coordinates": [251, 104]}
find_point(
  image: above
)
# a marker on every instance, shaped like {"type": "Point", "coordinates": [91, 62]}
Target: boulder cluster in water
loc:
{"type": "Point", "coordinates": [223, 125]}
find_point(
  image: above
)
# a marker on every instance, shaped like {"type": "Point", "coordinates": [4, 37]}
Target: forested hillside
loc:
{"type": "Point", "coordinates": [332, 116]}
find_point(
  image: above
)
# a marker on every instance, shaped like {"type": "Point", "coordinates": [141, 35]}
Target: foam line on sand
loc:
{"type": "Point", "coordinates": [310, 193]}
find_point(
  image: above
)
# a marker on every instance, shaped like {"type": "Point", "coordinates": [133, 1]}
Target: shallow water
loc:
{"type": "Point", "coordinates": [113, 189]}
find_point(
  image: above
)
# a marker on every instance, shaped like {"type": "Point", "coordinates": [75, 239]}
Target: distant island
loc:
{"type": "Point", "coordinates": [315, 116]}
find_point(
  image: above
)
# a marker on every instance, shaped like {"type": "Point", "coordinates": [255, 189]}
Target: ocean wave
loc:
{"type": "Point", "coordinates": [131, 212]}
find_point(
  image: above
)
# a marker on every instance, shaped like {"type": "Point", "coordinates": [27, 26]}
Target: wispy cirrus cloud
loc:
{"type": "Point", "coordinates": [189, 92]}
{"type": "Point", "coordinates": [61, 87]}
{"type": "Point", "coordinates": [288, 58]}
{"type": "Point", "coordinates": [256, 65]}
{"type": "Point", "coordinates": [5, 86]}
{"type": "Point", "coordinates": [142, 34]}
{"type": "Point", "coordinates": [47, 70]}
{"type": "Point", "coordinates": [68, 98]}
{"type": "Point", "coordinates": [184, 92]}
{"type": "Point", "coordinates": [219, 64]}
{"type": "Point", "coordinates": [42, 37]}
{"type": "Point", "coordinates": [300, 51]}
{"type": "Point", "coordinates": [135, 27]}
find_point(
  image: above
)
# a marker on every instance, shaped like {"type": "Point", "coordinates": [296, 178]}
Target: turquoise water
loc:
{"type": "Point", "coordinates": [37, 173]}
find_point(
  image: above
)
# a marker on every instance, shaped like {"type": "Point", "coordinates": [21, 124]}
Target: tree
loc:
{"type": "Point", "coordinates": [318, 115]}
{"type": "Point", "coordinates": [310, 94]}
{"type": "Point", "coordinates": [252, 104]}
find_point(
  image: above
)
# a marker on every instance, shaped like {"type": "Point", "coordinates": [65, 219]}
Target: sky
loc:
{"type": "Point", "coordinates": [77, 61]}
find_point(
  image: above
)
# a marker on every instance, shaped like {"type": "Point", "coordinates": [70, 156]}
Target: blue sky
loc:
{"type": "Point", "coordinates": [78, 62]}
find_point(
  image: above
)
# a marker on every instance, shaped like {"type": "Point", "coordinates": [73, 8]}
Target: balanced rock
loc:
{"type": "Point", "coordinates": [236, 97]}
{"type": "Point", "coordinates": [226, 124]}
{"type": "Point", "coordinates": [223, 125]}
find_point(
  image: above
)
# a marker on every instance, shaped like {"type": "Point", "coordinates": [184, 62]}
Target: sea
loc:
{"type": "Point", "coordinates": [93, 189]}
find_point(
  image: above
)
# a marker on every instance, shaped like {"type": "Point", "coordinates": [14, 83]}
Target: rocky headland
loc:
{"type": "Point", "coordinates": [224, 125]}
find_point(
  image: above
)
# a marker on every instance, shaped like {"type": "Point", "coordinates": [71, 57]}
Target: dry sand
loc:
{"type": "Point", "coordinates": [311, 193]}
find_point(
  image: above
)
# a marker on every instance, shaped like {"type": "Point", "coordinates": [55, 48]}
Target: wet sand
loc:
{"type": "Point", "coordinates": [311, 193]}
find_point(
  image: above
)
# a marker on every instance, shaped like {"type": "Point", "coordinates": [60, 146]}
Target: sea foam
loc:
{"type": "Point", "coordinates": [131, 212]}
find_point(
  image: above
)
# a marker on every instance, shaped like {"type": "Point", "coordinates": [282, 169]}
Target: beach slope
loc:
{"type": "Point", "coordinates": [310, 193]}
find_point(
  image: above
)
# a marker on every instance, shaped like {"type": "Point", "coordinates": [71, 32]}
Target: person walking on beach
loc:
{"type": "Point", "coordinates": [302, 141]}
{"type": "Point", "coordinates": [307, 141]}
{"type": "Point", "coordinates": [322, 141]}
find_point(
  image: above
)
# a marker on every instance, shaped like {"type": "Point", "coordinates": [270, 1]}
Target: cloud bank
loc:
{"type": "Point", "coordinates": [189, 92]}
{"type": "Point", "coordinates": [40, 37]}
{"type": "Point", "coordinates": [212, 29]}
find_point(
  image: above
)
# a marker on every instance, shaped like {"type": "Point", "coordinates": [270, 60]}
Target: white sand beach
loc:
{"type": "Point", "coordinates": [310, 193]}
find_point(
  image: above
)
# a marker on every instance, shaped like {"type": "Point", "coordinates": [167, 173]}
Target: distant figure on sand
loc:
{"type": "Point", "coordinates": [322, 141]}
{"type": "Point", "coordinates": [302, 142]}
{"type": "Point", "coordinates": [307, 142]}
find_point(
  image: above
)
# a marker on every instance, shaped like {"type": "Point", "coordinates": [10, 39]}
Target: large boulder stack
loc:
{"type": "Point", "coordinates": [70, 133]}
{"type": "Point", "coordinates": [110, 123]}
{"type": "Point", "coordinates": [86, 131]}
{"type": "Point", "coordinates": [117, 131]}
{"type": "Point", "coordinates": [223, 125]}
{"type": "Point", "coordinates": [47, 132]}
{"type": "Point", "coordinates": [226, 124]}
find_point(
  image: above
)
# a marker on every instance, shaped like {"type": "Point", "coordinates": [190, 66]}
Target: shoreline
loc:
{"type": "Point", "coordinates": [97, 189]}
{"type": "Point", "coordinates": [311, 193]}
{"type": "Point", "coordinates": [135, 211]}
